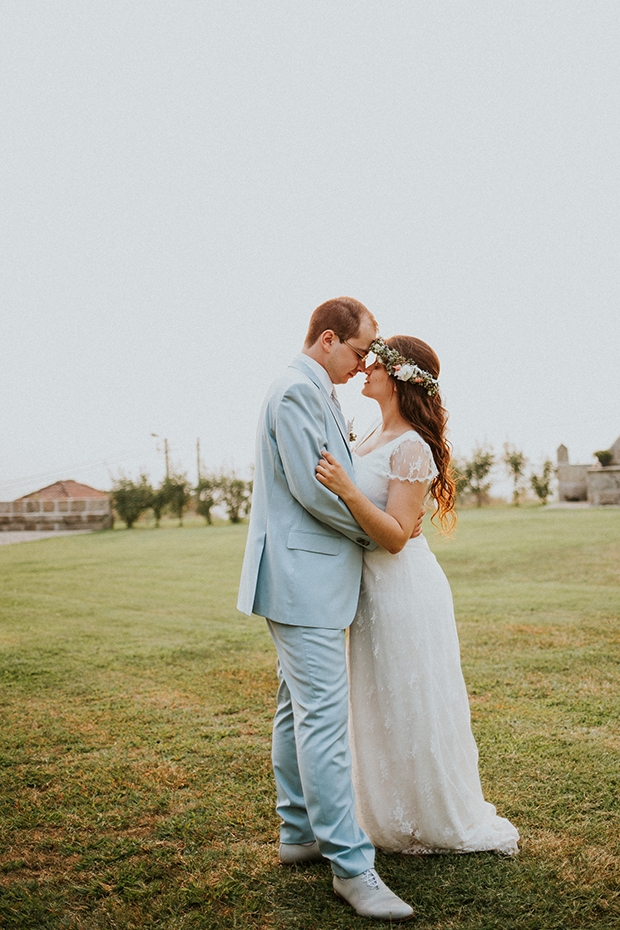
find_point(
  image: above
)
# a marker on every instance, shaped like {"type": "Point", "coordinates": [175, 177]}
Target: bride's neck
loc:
{"type": "Point", "coordinates": [391, 419]}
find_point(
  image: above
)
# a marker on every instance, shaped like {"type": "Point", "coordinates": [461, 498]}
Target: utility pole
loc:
{"type": "Point", "coordinates": [198, 458]}
{"type": "Point", "coordinates": [156, 436]}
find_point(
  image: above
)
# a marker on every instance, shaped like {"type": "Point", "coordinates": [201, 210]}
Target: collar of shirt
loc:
{"type": "Point", "coordinates": [318, 369]}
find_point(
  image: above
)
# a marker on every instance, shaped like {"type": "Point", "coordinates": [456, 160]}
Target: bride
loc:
{"type": "Point", "coordinates": [415, 760]}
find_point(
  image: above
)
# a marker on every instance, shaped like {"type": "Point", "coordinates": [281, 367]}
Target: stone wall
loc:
{"type": "Point", "coordinates": [604, 485]}
{"type": "Point", "coordinates": [572, 482]}
{"type": "Point", "coordinates": [46, 515]}
{"type": "Point", "coordinates": [597, 485]}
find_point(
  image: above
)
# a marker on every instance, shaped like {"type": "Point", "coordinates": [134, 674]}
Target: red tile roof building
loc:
{"type": "Point", "coordinates": [64, 490]}
{"type": "Point", "coordinates": [64, 505]}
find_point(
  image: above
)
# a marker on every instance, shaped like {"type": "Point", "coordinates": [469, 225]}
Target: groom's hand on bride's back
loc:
{"type": "Point", "coordinates": [418, 526]}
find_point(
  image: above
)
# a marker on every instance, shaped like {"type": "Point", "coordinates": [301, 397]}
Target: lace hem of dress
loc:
{"type": "Point", "coordinates": [412, 478]}
{"type": "Point", "coordinates": [419, 849]}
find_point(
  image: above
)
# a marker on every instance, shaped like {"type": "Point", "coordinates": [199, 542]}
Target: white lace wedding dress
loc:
{"type": "Point", "coordinates": [415, 761]}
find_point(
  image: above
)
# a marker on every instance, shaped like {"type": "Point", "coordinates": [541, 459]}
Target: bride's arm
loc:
{"type": "Point", "coordinates": [390, 528]}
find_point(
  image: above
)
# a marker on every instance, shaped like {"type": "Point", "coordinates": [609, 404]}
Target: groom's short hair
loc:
{"type": "Point", "coordinates": [343, 315]}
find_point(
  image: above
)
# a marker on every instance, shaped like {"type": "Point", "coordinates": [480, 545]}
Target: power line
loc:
{"type": "Point", "coordinates": [75, 469]}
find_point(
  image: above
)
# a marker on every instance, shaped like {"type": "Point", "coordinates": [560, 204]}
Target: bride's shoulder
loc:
{"type": "Point", "coordinates": [411, 457]}
{"type": "Point", "coordinates": [410, 438]}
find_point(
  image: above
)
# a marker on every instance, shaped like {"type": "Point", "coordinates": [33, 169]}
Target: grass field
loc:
{"type": "Point", "coordinates": [136, 707]}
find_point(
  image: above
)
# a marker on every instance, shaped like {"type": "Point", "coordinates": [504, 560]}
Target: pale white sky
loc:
{"type": "Point", "coordinates": [183, 182]}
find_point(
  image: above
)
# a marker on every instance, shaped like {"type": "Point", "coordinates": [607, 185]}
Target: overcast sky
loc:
{"type": "Point", "coordinates": [184, 181]}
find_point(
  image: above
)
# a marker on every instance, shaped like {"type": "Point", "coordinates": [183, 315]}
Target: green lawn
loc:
{"type": "Point", "coordinates": [136, 707]}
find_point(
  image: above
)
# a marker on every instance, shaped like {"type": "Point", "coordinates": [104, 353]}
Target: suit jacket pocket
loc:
{"type": "Point", "coordinates": [314, 542]}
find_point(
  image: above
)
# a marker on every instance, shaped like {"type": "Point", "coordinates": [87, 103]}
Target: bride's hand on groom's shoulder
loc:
{"type": "Point", "coordinates": [330, 473]}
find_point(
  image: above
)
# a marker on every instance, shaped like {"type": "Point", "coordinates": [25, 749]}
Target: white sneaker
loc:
{"type": "Point", "coordinates": [370, 897]}
{"type": "Point", "coordinates": [293, 854]}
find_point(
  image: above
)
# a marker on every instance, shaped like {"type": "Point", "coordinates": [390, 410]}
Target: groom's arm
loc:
{"type": "Point", "coordinates": [301, 434]}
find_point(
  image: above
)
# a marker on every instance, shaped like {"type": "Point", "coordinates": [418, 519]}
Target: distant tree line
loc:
{"type": "Point", "coordinates": [131, 499]}
{"type": "Point", "coordinates": [472, 475]}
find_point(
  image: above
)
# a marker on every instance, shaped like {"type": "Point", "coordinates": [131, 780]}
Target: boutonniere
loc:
{"type": "Point", "coordinates": [352, 435]}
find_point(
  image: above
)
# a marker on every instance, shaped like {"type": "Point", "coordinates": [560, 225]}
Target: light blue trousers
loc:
{"type": "Point", "coordinates": [311, 757]}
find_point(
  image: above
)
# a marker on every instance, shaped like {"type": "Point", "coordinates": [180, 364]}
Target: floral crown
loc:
{"type": "Point", "coordinates": [402, 368]}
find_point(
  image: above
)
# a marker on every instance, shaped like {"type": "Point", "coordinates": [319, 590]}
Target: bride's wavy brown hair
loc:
{"type": "Point", "coordinates": [429, 418]}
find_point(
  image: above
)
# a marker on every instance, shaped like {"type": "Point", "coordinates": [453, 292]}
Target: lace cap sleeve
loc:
{"type": "Point", "coordinates": [412, 460]}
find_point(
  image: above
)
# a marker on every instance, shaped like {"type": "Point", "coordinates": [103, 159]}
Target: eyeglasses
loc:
{"type": "Point", "coordinates": [362, 355]}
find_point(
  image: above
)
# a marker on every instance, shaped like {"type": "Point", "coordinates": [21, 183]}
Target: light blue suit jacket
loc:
{"type": "Point", "coordinates": [303, 558]}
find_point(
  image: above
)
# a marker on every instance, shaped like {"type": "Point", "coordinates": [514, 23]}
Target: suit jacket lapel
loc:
{"type": "Point", "coordinates": [335, 412]}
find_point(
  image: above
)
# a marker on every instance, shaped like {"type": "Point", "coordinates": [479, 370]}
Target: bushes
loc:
{"type": "Point", "coordinates": [542, 483]}
{"type": "Point", "coordinates": [206, 496]}
{"type": "Point", "coordinates": [605, 457]}
{"type": "Point", "coordinates": [473, 476]}
{"type": "Point", "coordinates": [131, 499]}
{"type": "Point", "coordinates": [515, 463]}
{"type": "Point", "coordinates": [233, 493]}
{"type": "Point", "coordinates": [177, 495]}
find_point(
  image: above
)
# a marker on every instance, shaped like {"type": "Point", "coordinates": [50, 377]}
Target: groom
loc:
{"type": "Point", "coordinates": [302, 571]}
